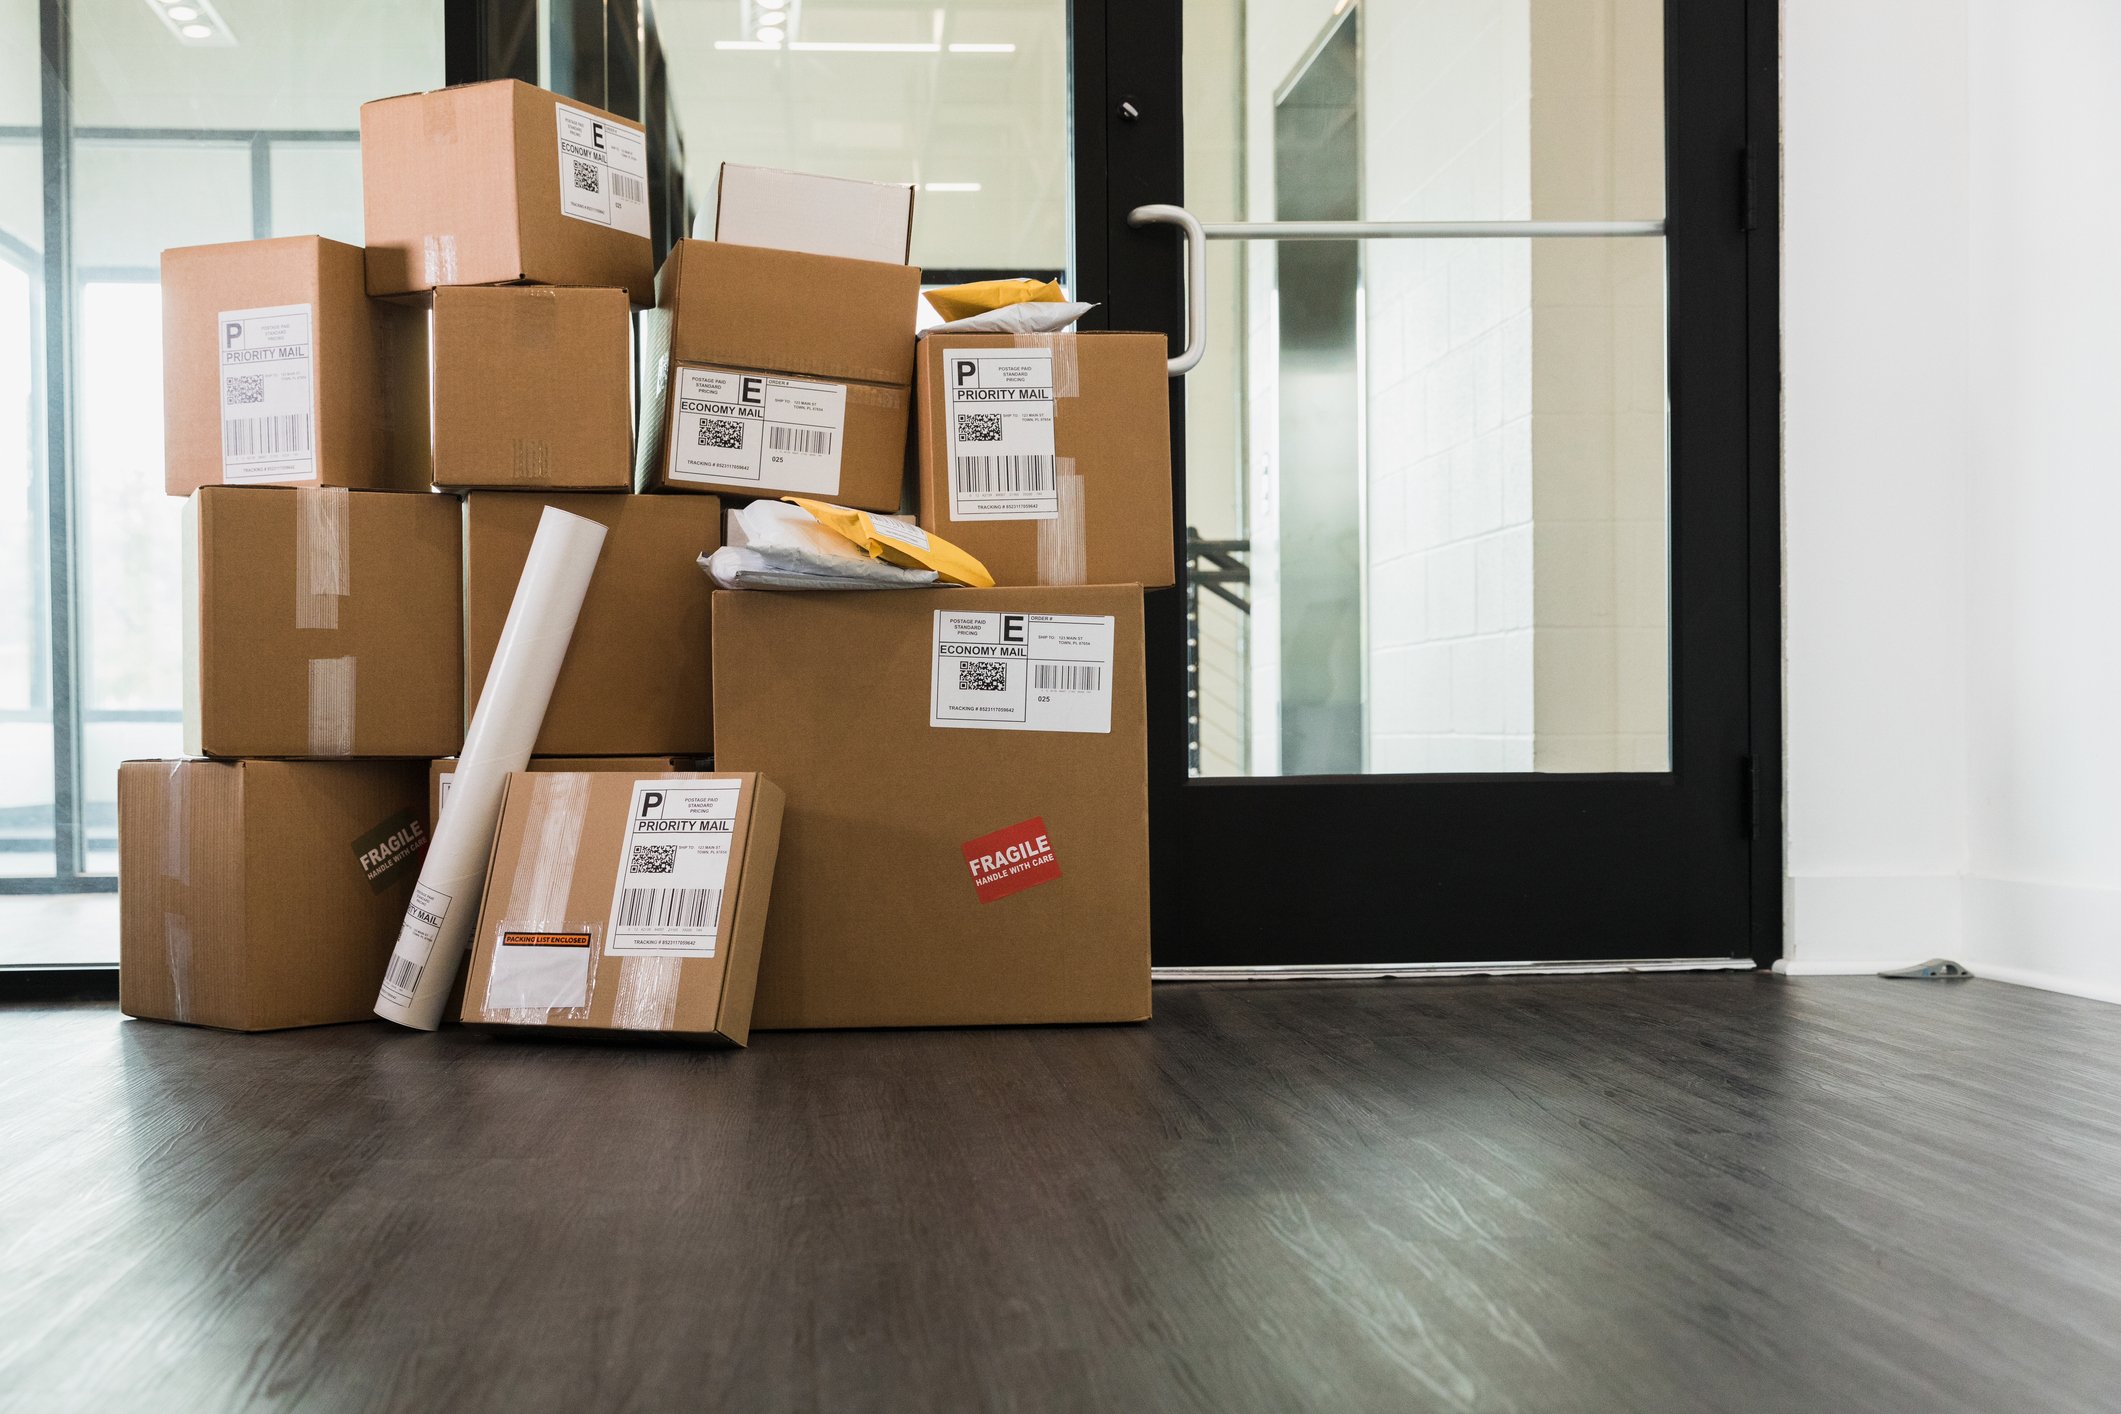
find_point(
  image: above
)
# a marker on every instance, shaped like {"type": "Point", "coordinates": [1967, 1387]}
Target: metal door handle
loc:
{"type": "Point", "coordinates": [1181, 363]}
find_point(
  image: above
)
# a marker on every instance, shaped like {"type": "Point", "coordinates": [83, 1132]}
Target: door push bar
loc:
{"type": "Point", "coordinates": [1198, 235]}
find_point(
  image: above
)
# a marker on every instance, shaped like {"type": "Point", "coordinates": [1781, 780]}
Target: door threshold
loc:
{"type": "Point", "coordinates": [1372, 971]}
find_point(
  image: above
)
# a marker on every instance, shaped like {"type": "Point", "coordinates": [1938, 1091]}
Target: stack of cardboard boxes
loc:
{"type": "Point", "coordinates": [367, 438]}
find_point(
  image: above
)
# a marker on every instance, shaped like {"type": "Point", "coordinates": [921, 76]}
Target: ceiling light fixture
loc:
{"type": "Point", "coordinates": [183, 12]}
{"type": "Point", "coordinates": [195, 24]}
{"type": "Point", "coordinates": [197, 31]}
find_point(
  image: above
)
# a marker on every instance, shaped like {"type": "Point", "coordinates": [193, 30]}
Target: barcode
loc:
{"type": "Point", "coordinates": [265, 436]}
{"type": "Point", "coordinates": [404, 974]}
{"type": "Point", "coordinates": [988, 476]}
{"type": "Point", "coordinates": [669, 908]}
{"type": "Point", "coordinates": [1066, 677]}
{"type": "Point", "coordinates": [809, 441]}
{"type": "Point", "coordinates": [627, 188]}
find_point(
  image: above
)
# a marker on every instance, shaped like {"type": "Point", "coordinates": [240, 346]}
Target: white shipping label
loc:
{"type": "Point", "coordinates": [905, 532]}
{"type": "Point", "coordinates": [1022, 672]}
{"type": "Point", "coordinates": [416, 943]}
{"type": "Point", "coordinates": [540, 969]}
{"type": "Point", "coordinates": [778, 434]}
{"type": "Point", "coordinates": [603, 171]}
{"type": "Point", "coordinates": [998, 433]}
{"type": "Point", "coordinates": [672, 866]}
{"type": "Point", "coordinates": [447, 779]}
{"type": "Point", "coordinates": [268, 395]}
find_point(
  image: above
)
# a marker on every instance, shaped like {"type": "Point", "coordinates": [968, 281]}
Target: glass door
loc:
{"type": "Point", "coordinates": [1459, 673]}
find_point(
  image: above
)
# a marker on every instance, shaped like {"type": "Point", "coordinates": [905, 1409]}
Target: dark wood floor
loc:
{"type": "Point", "coordinates": [1629, 1194]}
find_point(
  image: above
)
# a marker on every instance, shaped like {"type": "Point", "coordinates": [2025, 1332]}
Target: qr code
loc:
{"type": "Point", "coordinates": [585, 177]}
{"type": "Point", "coordinates": [722, 432]}
{"type": "Point", "coordinates": [979, 427]}
{"type": "Point", "coordinates": [975, 676]}
{"type": "Point", "coordinates": [654, 859]}
{"type": "Point", "coordinates": [246, 388]}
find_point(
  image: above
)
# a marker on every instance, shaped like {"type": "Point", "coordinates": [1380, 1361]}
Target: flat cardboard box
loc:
{"type": "Point", "coordinates": [278, 369]}
{"type": "Point", "coordinates": [739, 341]}
{"type": "Point", "coordinates": [1106, 517]}
{"type": "Point", "coordinates": [322, 623]}
{"type": "Point", "coordinates": [649, 922]}
{"type": "Point", "coordinates": [533, 388]}
{"type": "Point", "coordinates": [254, 895]}
{"type": "Point", "coordinates": [945, 875]}
{"type": "Point", "coordinates": [764, 206]}
{"type": "Point", "coordinates": [442, 773]}
{"type": "Point", "coordinates": [635, 681]}
{"type": "Point", "coordinates": [501, 183]}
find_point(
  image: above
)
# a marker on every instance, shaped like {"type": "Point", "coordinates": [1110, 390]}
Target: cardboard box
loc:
{"type": "Point", "coordinates": [635, 682]}
{"type": "Point", "coordinates": [1069, 480]}
{"type": "Point", "coordinates": [254, 895]}
{"type": "Point", "coordinates": [500, 183]}
{"type": "Point", "coordinates": [533, 388]}
{"type": "Point", "coordinates": [649, 922]}
{"type": "Point", "coordinates": [770, 372]}
{"type": "Point", "coordinates": [278, 368]}
{"type": "Point", "coordinates": [763, 206]}
{"type": "Point", "coordinates": [988, 872]}
{"type": "Point", "coordinates": [441, 773]}
{"type": "Point", "coordinates": [320, 622]}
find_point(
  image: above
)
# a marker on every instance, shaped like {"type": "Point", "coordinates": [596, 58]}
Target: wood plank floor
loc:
{"type": "Point", "coordinates": [1628, 1194]}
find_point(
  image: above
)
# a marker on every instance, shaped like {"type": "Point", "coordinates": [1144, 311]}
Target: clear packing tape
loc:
{"type": "Point", "coordinates": [1063, 538]}
{"type": "Point", "coordinates": [526, 663]}
{"type": "Point", "coordinates": [323, 579]}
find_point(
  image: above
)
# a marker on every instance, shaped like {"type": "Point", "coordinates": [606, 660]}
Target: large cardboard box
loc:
{"type": "Point", "coordinates": [623, 905]}
{"type": "Point", "coordinates": [442, 773]}
{"type": "Point", "coordinates": [277, 367]}
{"type": "Point", "coordinates": [500, 183]}
{"type": "Point", "coordinates": [967, 837]}
{"type": "Point", "coordinates": [533, 388]}
{"type": "Point", "coordinates": [774, 372]}
{"type": "Point", "coordinates": [254, 895]}
{"type": "Point", "coordinates": [1048, 456]}
{"type": "Point", "coordinates": [320, 622]}
{"type": "Point", "coordinates": [764, 206]}
{"type": "Point", "coordinates": [635, 681]}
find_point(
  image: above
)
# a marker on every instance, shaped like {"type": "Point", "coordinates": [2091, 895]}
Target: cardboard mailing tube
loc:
{"type": "Point", "coordinates": [445, 903]}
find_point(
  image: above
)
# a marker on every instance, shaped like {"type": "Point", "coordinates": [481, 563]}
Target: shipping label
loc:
{"type": "Point", "coordinates": [268, 395]}
{"type": "Point", "coordinates": [673, 865]}
{"type": "Point", "coordinates": [416, 943]}
{"type": "Point", "coordinates": [1011, 860]}
{"type": "Point", "coordinates": [540, 969]}
{"type": "Point", "coordinates": [776, 434]}
{"type": "Point", "coordinates": [998, 434]}
{"type": "Point", "coordinates": [1022, 672]}
{"type": "Point", "coordinates": [603, 171]}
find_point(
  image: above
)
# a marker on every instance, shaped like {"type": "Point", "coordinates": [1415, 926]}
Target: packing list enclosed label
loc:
{"type": "Point", "coordinates": [1022, 672]}
{"type": "Point", "coordinates": [268, 395]}
{"type": "Point", "coordinates": [603, 171]}
{"type": "Point", "coordinates": [780, 434]}
{"type": "Point", "coordinates": [673, 865]}
{"type": "Point", "coordinates": [998, 430]}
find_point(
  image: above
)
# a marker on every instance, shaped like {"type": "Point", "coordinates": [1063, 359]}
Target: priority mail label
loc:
{"type": "Point", "coordinates": [998, 434]}
{"type": "Point", "coordinates": [603, 171]}
{"type": "Point", "coordinates": [416, 943]}
{"type": "Point", "coordinates": [1011, 860]}
{"type": "Point", "coordinates": [673, 865]}
{"type": "Point", "coordinates": [1022, 672]}
{"type": "Point", "coordinates": [777, 434]}
{"type": "Point", "coordinates": [268, 395]}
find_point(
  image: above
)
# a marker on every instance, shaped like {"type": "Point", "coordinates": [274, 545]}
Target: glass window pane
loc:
{"type": "Point", "coordinates": [25, 695]}
{"type": "Point", "coordinates": [316, 190]}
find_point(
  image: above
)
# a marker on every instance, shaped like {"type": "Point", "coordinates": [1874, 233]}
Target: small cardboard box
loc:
{"type": "Point", "coordinates": [254, 895]}
{"type": "Point", "coordinates": [635, 681]}
{"type": "Point", "coordinates": [501, 183]}
{"type": "Point", "coordinates": [967, 840]}
{"type": "Point", "coordinates": [764, 206]}
{"type": "Point", "coordinates": [320, 622]}
{"type": "Point", "coordinates": [772, 372]}
{"type": "Point", "coordinates": [1048, 456]}
{"type": "Point", "coordinates": [442, 773]}
{"type": "Point", "coordinates": [532, 388]}
{"type": "Point", "coordinates": [645, 918]}
{"type": "Point", "coordinates": [277, 367]}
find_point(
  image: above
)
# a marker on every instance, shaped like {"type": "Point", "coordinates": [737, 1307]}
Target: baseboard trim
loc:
{"type": "Point", "coordinates": [2047, 981]}
{"type": "Point", "coordinates": [1411, 970]}
{"type": "Point", "coordinates": [1844, 967]}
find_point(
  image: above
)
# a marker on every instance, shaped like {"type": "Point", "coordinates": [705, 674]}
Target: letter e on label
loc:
{"type": "Point", "coordinates": [1011, 860]}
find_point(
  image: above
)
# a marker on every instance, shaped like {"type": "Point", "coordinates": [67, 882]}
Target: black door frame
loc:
{"type": "Point", "coordinates": [1723, 223]}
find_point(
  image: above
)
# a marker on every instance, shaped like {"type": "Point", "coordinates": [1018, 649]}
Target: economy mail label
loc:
{"type": "Point", "coordinates": [782, 434]}
{"type": "Point", "coordinates": [268, 395]}
{"type": "Point", "coordinates": [998, 433]}
{"type": "Point", "coordinates": [673, 865]}
{"type": "Point", "coordinates": [603, 171]}
{"type": "Point", "coordinates": [1022, 672]}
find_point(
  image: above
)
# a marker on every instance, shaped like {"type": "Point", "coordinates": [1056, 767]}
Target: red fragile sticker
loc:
{"type": "Point", "coordinates": [1012, 860]}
